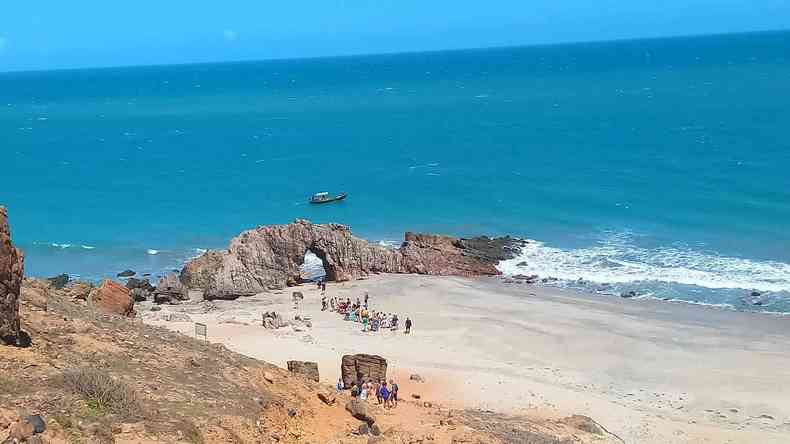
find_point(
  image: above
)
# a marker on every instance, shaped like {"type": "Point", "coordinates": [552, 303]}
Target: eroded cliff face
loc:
{"type": "Point", "coordinates": [269, 257]}
{"type": "Point", "coordinates": [11, 271]}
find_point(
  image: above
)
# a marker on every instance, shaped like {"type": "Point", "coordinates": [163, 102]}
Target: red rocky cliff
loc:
{"type": "Point", "coordinates": [11, 271]}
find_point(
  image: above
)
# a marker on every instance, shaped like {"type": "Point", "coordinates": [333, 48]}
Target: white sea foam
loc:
{"type": "Point", "coordinates": [389, 243]}
{"type": "Point", "coordinates": [152, 252]}
{"type": "Point", "coordinates": [312, 268]}
{"type": "Point", "coordinates": [616, 260]}
{"type": "Point", "coordinates": [87, 247]}
{"type": "Point", "coordinates": [61, 246]}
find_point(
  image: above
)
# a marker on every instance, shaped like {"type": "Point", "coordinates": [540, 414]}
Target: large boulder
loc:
{"type": "Point", "coordinates": [11, 271]}
{"type": "Point", "coordinates": [355, 369]}
{"type": "Point", "coordinates": [269, 258]}
{"type": "Point", "coordinates": [359, 410]}
{"type": "Point", "coordinates": [169, 290]}
{"type": "Point", "coordinates": [112, 298]}
{"type": "Point", "coordinates": [304, 368]}
{"type": "Point", "coordinates": [59, 281]}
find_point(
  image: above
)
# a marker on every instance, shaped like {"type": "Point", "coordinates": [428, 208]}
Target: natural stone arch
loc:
{"type": "Point", "coordinates": [269, 258]}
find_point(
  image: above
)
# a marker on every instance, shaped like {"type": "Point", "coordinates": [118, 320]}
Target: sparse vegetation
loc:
{"type": "Point", "coordinates": [102, 393]}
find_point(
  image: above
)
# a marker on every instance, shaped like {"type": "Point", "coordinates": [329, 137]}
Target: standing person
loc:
{"type": "Point", "coordinates": [323, 286]}
{"type": "Point", "coordinates": [340, 385]}
{"type": "Point", "coordinates": [363, 394]}
{"type": "Point", "coordinates": [378, 392]}
{"type": "Point", "coordinates": [393, 393]}
{"type": "Point", "coordinates": [408, 325]}
{"type": "Point", "coordinates": [323, 303]}
{"type": "Point", "coordinates": [366, 299]}
{"type": "Point", "coordinates": [385, 393]}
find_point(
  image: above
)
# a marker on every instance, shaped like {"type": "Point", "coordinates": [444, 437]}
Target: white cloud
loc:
{"type": "Point", "coordinates": [230, 35]}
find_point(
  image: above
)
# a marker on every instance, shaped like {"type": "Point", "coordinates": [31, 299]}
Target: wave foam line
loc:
{"type": "Point", "coordinates": [616, 261]}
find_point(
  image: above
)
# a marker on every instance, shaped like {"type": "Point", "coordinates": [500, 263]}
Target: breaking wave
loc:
{"type": "Point", "coordinates": [615, 264]}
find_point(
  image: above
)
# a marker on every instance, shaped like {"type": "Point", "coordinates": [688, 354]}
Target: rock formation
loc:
{"type": "Point", "coordinates": [112, 298]}
{"type": "Point", "coordinates": [357, 368]}
{"type": "Point", "coordinates": [304, 368]}
{"type": "Point", "coordinates": [269, 257]}
{"type": "Point", "coordinates": [169, 290]}
{"type": "Point", "coordinates": [11, 271]}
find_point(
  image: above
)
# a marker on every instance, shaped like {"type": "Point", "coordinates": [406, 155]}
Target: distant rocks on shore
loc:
{"type": "Point", "coordinates": [60, 281]}
{"type": "Point", "coordinates": [269, 257]}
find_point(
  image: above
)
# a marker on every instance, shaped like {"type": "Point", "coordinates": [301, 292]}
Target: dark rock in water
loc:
{"type": "Point", "coordinates": [628, 294]}
{"type": "Point", "coordinates": [304, 368]}
{"type": "Point", "coordinates": [58, 282]}
{"type": "Point", "coordinates": [758, 303]}
{"type": "Point", "coordinates": [522, 264]}
{"type": "Point", "coordinates": [549, 279]}
{"type": "Point", "coordinates": [39, 426]}
{"type": "Point", "coordinates": [144, 284]}
{"type": "Point", "coordinates": [491, 250]}
{"type": "Point", "coordinates": [146, 274]}
{"type": "Point", "coordinates": [527, 279]}
{"type": "Point", "coordinates": [756, 294]}
{"type": "Point", "coordinates": [126, 273]}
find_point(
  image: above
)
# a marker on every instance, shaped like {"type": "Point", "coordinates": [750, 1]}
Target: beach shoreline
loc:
{"type": "Point", "coordinates": [651, 372]}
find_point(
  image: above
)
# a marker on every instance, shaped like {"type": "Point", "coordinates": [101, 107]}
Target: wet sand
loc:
{"type": "Point", "coordinates": [650, 371]}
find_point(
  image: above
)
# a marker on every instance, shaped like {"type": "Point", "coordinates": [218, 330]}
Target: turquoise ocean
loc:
{"type": "Point", "coordinates": [658, 166]}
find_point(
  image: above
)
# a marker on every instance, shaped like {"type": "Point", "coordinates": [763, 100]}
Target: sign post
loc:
{"type": "Point", "coordinates": [200, 330]}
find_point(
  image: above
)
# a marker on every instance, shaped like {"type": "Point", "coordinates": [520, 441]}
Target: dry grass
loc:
{"type": "Point", "coordinates": [103, 393]}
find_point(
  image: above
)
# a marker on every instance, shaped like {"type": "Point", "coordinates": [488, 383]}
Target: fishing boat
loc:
{"type": "Point", "coordinates": [320, 198]}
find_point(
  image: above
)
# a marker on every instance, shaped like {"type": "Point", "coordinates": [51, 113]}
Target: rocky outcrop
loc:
{"type": "Point", "coordinates": [11, 271]}
{"type": "Point", "coordinates": [59, 281]}
{"type": "Point", "coordinates": [269, 257]}
{"type": "Point", "coordinates": [170, 290]}
{"type": "Point", "coordinates": [112, 298]}
{"type": "Point", "coordinates": [307, 369]}
{"type": "Point", "coordinates": [355, 369]}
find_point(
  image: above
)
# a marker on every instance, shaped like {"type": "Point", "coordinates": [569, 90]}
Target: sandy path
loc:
{"type": "Point", "coordinates": [652, 372]}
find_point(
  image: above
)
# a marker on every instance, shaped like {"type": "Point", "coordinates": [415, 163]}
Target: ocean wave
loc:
{"type": "Point", "coordinates": [87, 247]}
{"type": "Point", "coordinates": [61, 246]}
{"type": "Point", "coordinates": [617, 260]}
{"type": "Point", "coordinates": [152, 252]}
{"type": "Point", "coordinates": [313, 267]}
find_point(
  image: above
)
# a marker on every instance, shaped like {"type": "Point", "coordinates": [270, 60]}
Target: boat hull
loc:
{"type": "Point", "coordinates": [337, 198]}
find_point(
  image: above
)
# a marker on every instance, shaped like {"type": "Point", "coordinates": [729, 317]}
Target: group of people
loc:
{"type": "Point", "coordinates": [359, 312]}
{"type": "Point", "coordinates": [385, 394]}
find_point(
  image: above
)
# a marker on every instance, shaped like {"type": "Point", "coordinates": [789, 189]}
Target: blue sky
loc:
{"type": "Point", "coordinates": [50, 34]}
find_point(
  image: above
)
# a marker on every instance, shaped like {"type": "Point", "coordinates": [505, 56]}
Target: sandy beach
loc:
{"type": "Point", "coordinates": [650, 371]}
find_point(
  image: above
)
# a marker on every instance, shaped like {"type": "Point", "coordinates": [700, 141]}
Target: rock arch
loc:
{"type": "Point", "coordinates": [269, 257]}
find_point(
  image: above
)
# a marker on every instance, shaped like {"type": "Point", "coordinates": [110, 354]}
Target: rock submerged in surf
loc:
{"type": "Point", "coordinates": [628, 294]}
{"type": "Point", "coordinates": [126, 273]}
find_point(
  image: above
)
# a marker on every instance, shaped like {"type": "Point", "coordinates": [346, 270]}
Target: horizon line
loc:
{"type": "Point", "coordinates": [390, 53]}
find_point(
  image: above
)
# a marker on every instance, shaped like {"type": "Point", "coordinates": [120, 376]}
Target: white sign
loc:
{"type": "Point", "coordinates": [200, 330]}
